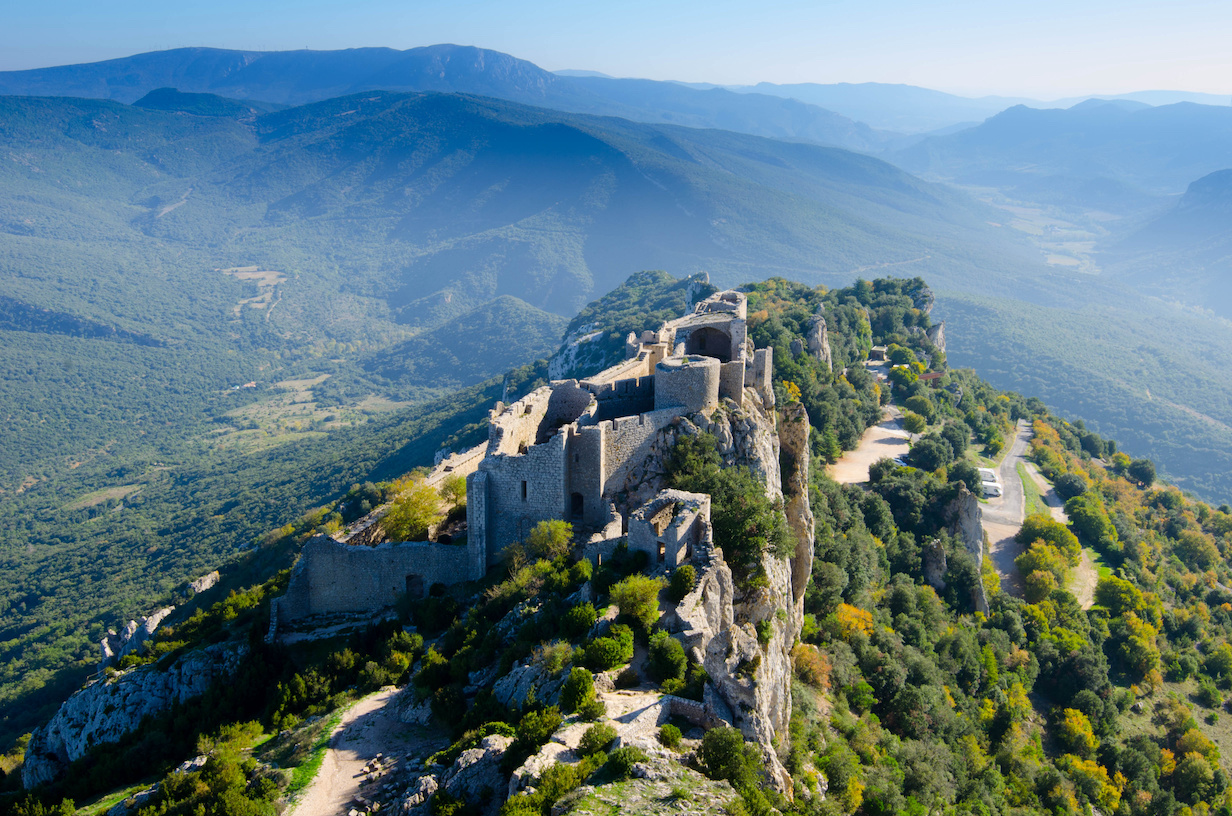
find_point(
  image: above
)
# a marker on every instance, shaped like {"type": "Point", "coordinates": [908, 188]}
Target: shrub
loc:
{"type": "Point", "coordinates": [667, 658]}
{"type": "Point", "coordinates": [682, 583]}
{"type": "Point", "coordinates": [621, 761]}
{"type": "Point", "coordinates": [765, 631]}
{"type": "Point", "coordinates": [606, 653]}
{"type": "Point", "coordinates": [670, 736]}
{"type": "Point", "coordinates": [579, 688]}
{"type": "Point", "coordinates": [550, 539]}
{"type": "Point", "coordinates": [554, 656]}
{"type": "Point", "coordinates": [628, 678]}
{"type": "Point", "coordinates": [811, 666]}
{"type": "Point", "coordinates": [537, 727]}
{"type": "Point", "coordinates": [638, 597]}
{"type": "Point", "coordinates": [592, 709]}
{"type": "Point", "coordinates": [722, 754]}
{"type": "Point", "coordinates": [578, 620]}
{"type": "Point", "coordinates": [597, 738]}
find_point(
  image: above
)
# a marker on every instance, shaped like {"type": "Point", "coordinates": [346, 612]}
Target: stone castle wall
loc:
{"type": "Point", "coordinates": [331, 577]}
{"type": "Point", "coordinates": [521, 490]}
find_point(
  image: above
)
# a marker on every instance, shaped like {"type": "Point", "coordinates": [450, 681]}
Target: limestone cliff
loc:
{"type": "Point", "coordinates": [752, 679]}
{"type": "Point", "coordinates": [965, 520]}
{"type": "Point", "coordinates": [107, 709]}
{"type": "Point", "coordinates": [819, 341]}
{"type": "Point", "coordinates": [936, 335]}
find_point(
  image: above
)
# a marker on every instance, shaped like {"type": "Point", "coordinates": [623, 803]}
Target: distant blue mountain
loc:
{"type": "Point", "coordinates": [1122, 153]}
{"type": "Point", "coordinates": [299, 77]}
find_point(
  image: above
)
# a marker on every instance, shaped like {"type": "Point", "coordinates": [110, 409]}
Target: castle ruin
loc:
{"type": "Point", "coordinates": [570, 450]}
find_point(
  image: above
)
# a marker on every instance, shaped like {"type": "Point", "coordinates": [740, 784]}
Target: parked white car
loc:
{"type": "Point", "coordinates": [988, 475]}
{"type": "Point", "coordinates": [992, 490]}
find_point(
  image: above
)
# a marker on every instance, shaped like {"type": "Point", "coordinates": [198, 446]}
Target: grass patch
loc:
{"type": "Point", "coordinates": [105, 802]}
{"type": "Point", "coordinates": [1105, 571]}
{"type": "Point", "coordinates": [1035, 500]}
{"type": "Point", "coordinates": [306, 771]}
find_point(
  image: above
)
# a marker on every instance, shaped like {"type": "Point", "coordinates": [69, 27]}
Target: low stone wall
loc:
{"type": "Point", "coordinates": [332, 578]}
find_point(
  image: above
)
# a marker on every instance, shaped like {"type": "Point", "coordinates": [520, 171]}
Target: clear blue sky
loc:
{"type": "Point", "coordinates": [1046, 48]}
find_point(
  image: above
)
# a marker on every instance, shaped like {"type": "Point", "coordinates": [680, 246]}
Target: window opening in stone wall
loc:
{"type": "Point", "coordinates": [577, 506]}
{"type": "Point", "coordinates": [523, 491]}
{"type": "Point", "coordinates": [662, 552]}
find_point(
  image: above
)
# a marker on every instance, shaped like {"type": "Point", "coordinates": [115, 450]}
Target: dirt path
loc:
{"type": "Point", "coordinates": [369, 728]}
{"type": "Point", "coordinates": [886, 439]}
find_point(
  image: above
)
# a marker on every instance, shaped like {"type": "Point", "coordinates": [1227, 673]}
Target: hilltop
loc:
{"type": "Point", "coordinates": [910, 673]}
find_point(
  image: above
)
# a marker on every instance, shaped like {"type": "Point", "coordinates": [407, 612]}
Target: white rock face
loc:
{"type": "Point", "coordinates": [965, 520]}
{"type": "Point", "coordinates": [106, 710]}
{"type": "Point", "coordinates": [477, 775]}
{"type": "Point", "coordinates": [114, 646]}
{"type": "Point", "coordinates": [819, 341]}
{"type": "Point", "coordinates": [203, 583]}
{"type": "Point", "coordinates": [752, 679]}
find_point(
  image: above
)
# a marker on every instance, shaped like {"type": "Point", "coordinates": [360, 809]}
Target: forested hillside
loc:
{"type": "Point", "coordinates": [906, 699]}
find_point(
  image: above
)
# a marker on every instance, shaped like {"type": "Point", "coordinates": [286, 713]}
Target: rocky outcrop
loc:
{"type": "Point", "coordinates": [107, 709]}
{"type": "Point", "coordinates": [819, 341]}
{"type": "Point", "coordinates": [964, 519]}
{"type": "Point", "coordinates": [129, 640]}
{"type": "Point", "coordinates": [476, 775]}
{"type": "Point", "coordinates": [794, 465]}
{"type": "Point", "coordinates": [207, 581]}
{"type": "Point", "coordinates": [935, 565]}
{"type": "Point", "coordinates": [745, 437]}
{"type": "Point", "coordinates": [512, 689]}
{"type": "Point", "coordinates": [751, 678]}
{"type": "Point", "coordinates": [936, 335]}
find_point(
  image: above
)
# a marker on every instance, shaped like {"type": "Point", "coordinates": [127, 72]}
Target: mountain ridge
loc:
{"type": "Point", "coordinates": [300, 77]}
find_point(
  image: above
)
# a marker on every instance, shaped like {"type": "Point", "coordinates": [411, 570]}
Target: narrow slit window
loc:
{"type": "Point", "coordinates": [523, 491]}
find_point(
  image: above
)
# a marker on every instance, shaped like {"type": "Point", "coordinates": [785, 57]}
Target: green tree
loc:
{"type": "Point", "coordinates": [1142, 471]}
{"type": "Point", "coordinates": [550, 539]}
{"type": "Point", "coordinates": [453, 490]}
{"type": "Point", "coordinates": [682, 582]}
{"type": "Point", "coordinates": [914, 423]}
{"type": "Point", "coordinates": [638, 597]}
{"type": "Point", "coordinates": [412, 512]}
{"type": "Point", "coordinates": [579, 689]}
{"type": "Point", "coordinates": [921, 405]}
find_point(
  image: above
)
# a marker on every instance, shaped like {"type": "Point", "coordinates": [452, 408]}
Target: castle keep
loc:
{"type": "Point", "coordinates": [571, 450]}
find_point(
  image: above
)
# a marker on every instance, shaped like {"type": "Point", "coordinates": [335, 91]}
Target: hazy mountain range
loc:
{"type": "Point", "coordinates": [297, 77]}
{"type": "Point", "coordinates": [384, 214]}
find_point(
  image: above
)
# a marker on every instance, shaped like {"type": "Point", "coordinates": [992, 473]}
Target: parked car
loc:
{"type": "Point", "coordinates": [988, 475]}
{"type": "Point", "coordinates": [992, 490]}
